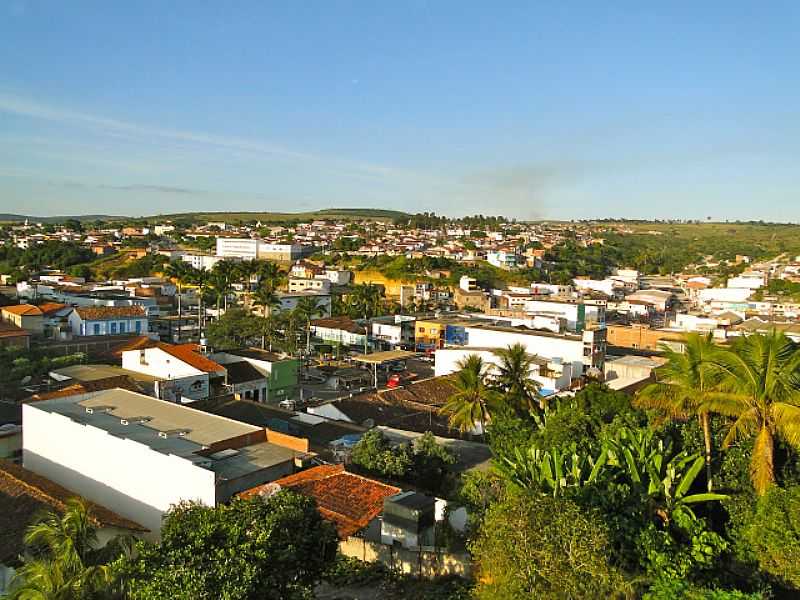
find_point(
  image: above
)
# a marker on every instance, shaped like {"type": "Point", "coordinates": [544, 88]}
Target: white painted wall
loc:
{"type": "Point", "coordinates": [125, 476]}
{"type": "Point", "coordinates": [158, 363]}
{"type": "Point", "coordinates": [447, 359]}
{"type": "Point", "coordinates": [568, 350]}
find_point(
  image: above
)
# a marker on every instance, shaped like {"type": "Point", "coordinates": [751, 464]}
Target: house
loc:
{"type": "Point", "coordinates": [340, 331]}
{"type": "Point", "coordinates": [108, 320]}
{"type": "Point", "coordinates": [351, 502]}
{"type": "Point", "coordinates": [142, 455]}
{"type": "Point", "coordinates": [317, 284]}
{"type": "Point", "coordinates": [553, 375]}
{"type": "Point", "coordinates": [24, 496]}
{"type": "Point", "coordinates": [12, 336]}
{"type": "Point", "coordinates": [394, 332]}
{"type": "Point", "coordinates": [259, 375]}
{"type": "Point", "coordinates": [290, 300]}
{"type": "Point", "coordinates": [183, 373]}
{"type": "Point", "coordinates": [25, 316]}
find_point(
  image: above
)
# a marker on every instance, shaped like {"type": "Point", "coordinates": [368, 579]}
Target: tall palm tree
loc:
{"type": "Point", "coordinates": [686, 385]}
{"type": "Point", "coordinates": [268, 300]}
{"type": "Point", "coordinates": [306, 309]}
{"type": "Point", "coordinates": [366, 300]}
{"type": "Point", "coordinates": [200, 278]}
{"type": "Point", "coordinates": [269, 274]}
{"type": "Point", "coordinates": [513, 378]}
{"type": "Point", "coordinates": [761, 381]}
{"type": "Point", "coordinates": [473, 397]}
{"type": "Point", "coordinates": [224, 273]}
{"type": "Point", "coordinates": [180, 272]}
{"type": "Point", "coordinates": [65, 561]}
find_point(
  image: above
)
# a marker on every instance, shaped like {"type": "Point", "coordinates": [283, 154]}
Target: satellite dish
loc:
{"type": "Point", "coordinates": [26, 380]}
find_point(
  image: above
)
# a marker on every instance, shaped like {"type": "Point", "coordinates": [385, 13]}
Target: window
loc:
{"type": "Point", "coordinates": [138, 327]}
{"type": "Point", "coordinates": [113, 327]}
{"type": "Point", "coordinates": [96, 328]}
{"type": "Point", "coordinates": [422, 330]}
{"type": "Point", "coordinates": [122, 327]}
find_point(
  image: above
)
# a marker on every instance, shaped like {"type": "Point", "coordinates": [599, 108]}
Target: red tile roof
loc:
{"type": "Point", "coordinates": [76, 389]}
{"type": "Point", "coordinates": [104, 313]}
{"type": "Point", "coordinates": [9, 330]}
{"type": "Point", "coordinates": [347, 500]}
{"type": "Point", "coordinates": [189, 353]}
{"type": "Point", "coordinates": [138, 343]}
{"type": "Point", "coordinates": [24, 495]}
{"type": "Point", "coordinates": [51, 307]}
{"type": "Point", "coordinates": [25, 310]}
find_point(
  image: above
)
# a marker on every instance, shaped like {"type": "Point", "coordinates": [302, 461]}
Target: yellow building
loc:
{"type": "Point", "coordinates": [429, 334]}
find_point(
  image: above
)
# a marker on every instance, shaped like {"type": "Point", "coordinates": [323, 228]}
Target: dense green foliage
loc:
{"type": "Point", "coordinates": [19, 363]}
{"type": "Point", "coordinates": [645, 486]}
{"type": "Point", "coordinates": [424, 462]}
{"type": "Point", "coordinates": [64, 559]}
{"type": "Point", "coordinates": [50, 254]}
{"type": "Point", "coordinates": [273, 548]}
{"type": "Point", "coordinates": [533, 546]}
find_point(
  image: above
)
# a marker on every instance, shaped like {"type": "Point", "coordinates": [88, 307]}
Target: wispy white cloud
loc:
{"type": "Point", "coordinates": [13, 104]}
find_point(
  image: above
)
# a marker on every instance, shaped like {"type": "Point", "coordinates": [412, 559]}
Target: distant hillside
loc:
{"type": "Point", "coordinates": [327, 213]}
{"type": "Point", "coordinates": [229, 217]}
{"type": "Point", "coordinates": [5, 217]}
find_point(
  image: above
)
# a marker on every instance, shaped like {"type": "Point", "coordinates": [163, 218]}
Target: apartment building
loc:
{"type": "Point", "coordinates": [141, 455]}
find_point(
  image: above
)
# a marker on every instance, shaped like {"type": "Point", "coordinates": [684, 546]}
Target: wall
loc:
{"type": "Point", "coordinates": [569, 350]}
{"type": "Point", "coordinates": [428, 563]}
{"type": "Point", "coordinates": [639, 337]}
{"type": "Point", "coordinates": [158, 363]}
{"type": "Point", "coordinates": [126, 476]}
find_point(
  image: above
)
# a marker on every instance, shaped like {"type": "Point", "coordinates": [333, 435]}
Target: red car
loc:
{"type": "Point", "coordinates": [398, 379]}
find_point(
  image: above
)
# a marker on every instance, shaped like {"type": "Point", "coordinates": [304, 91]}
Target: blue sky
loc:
{"type": "Point", "coordinates": [532, 110]}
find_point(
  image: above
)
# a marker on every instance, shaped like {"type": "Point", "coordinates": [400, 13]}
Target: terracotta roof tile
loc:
{"type": "Point", "coordinates": [24, 495]}
{"type": "Point", "coordinates": [189, 353]}
{"type": "Point", "coordinates": [86, 387]}
{"type": "Point", "coordinates": [104, 313]}
{"type": "Point", "coordinates": [8, 330]}
{"type": "Point", "coordinates": [51, 307]}
{"type": "Point", "coordinates": [138, 343]}
{"type": "Point", "coordinates": [349, 501]}
{"type": "Point", "coordinates": [25, 310]}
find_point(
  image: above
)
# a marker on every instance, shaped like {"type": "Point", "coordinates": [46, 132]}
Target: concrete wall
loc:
{"type": "Point", "coordinates": [428, 563]}
{"type": "Point", "coordinates": [123, 475]}
{"type": "Point", "coordinates": [568, 350]}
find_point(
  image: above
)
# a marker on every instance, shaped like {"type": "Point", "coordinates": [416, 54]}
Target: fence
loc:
{"type": "Point", "coordinates": [426, 562]}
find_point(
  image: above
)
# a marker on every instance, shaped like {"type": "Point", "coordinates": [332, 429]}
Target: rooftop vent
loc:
{"type": "Point", "coordinates": [174, 433]}
{"type": "Point", "coordinates": [134, 420]}
{"type": "Point", "coordinates": [90, 410]}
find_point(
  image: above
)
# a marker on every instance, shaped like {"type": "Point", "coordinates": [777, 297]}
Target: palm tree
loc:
{"type": "Point", "coordinates": [306, 309]}
{"type": "Point", "coordinates": [366, 299]}
{"type": "Point", "coordinates": [268, 300]}
{"type": "Point", "coordinates": [269, 274]}
{"type": "Point", "coordinates": [65, 562]}
{"type": "Point", "coordinates": [200, 278]}
{"type": "Point", "coordinates": [223, 275]}
{"type": "Point", "coordinates": [685, 386]}
{"type": "Point", "coordinates": [513, 378]}
{"type": "Point", "coordinates": [761, 381]}
{"type": "Point", "coordinates": [180, 272]}
{"type": "Point", "coordinates": [473, 397]}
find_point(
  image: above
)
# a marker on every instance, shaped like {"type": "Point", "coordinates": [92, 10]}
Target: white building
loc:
{"type": "Point", "coordinates": [317, 284]}
{"type": "Point", "coordinates": [583, 350]}
{"type": "Point", "coordinates": [204, 262]}
{"type": "Point", "coordinates": [183, 374]}
{"type": "Point", "coordinates": [252, 248]}
{"type": "Point", "coordinates": [752, 281]}
{"type": "Point", "coordinates": [552, 375]}
{"type": "Point", "coordinates": [289, 300]}
{"type": "Point", "coordinates": [108, 320]}
{"type": "Point", "coordinates": [141, 455]}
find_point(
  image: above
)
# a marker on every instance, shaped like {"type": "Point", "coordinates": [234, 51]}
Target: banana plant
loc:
{"type": "Point", "coordinates": [664, 479]}
{"type": "Point", "coordinates": [553, 471]}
